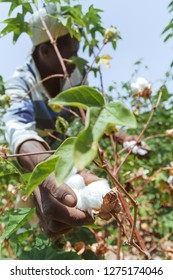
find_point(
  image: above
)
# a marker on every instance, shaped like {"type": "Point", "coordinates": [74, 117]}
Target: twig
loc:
{"type": "Point", "coordinates": [126, 209]}
{"type": "Point", "coordinates": [100, 239]}
{"type": "Point", "coordinates": [134, 231]}
{"type": "Point", "coordinates": [9, 250]}
{"type": "Point", "coordinates": [166, 237]}
{"type": "Point", "coordinates": [42, 81]}
{"type": "Point", "coordinates": [142, 132]}
{"type": "Point", "coordinates": [89, 69]}
{"type": "Point", "coordinates": [115, 153]}
{"type": "Point", "coordinates": [6, 156]}
{"type": "Point", "coordinates": [119, 244]}
{"type": "Point", "coordinates": [146, 253]}
{"type": "Point", "coordinates": [99, 68]}
{"type": "Point", "coordinates": [54, 137]}
{"type": "Point", "coordinates": [156, 136]}
{"type": "Point", "coordinates": [53, 42]}
{"type": "Point", "coordinates": [160, 170]}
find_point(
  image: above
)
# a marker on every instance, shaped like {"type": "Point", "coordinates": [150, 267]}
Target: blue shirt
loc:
{"type": "Point", "coordinates": [29, 117]}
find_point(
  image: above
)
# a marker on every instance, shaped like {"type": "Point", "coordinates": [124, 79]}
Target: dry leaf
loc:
{"type": "Point", "coordinates": [80, 247]}
{"type": "Point", "coordinates": [110, 202]}
{"type": "Point", "coordinates": [145, 93]}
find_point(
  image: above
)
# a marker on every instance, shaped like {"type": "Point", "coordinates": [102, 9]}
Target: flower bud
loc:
{"type": "Point", "coordinates": [111, 34]}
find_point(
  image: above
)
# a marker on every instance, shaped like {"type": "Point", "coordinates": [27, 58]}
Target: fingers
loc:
{"type": "Point", "coordinates": [55, 210]}
{"type": "Point", "coordinates": [55, 206]}
{"type": "Point", "coordinates": [62, 193]}
{"type": "Point", "coordinates": [52, 228]}
{"type": "Point", "coordinates": [65, 195]}
{"type": "Point", "coordinates": [88, 176]}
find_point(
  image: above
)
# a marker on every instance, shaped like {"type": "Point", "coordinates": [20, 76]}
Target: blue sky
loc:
{"type": "Point", "coordinates": [140, 23]}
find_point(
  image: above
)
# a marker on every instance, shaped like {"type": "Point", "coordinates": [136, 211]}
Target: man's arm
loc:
{"type": "Point", "coordinates": [32, 146]}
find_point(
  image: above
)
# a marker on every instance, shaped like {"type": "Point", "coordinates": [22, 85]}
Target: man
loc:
{"type": "Point", "coordinates": [29, 118]}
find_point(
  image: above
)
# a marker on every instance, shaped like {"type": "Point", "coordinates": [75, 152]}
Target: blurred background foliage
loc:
{"type": "Point", "coordinates": [146, 179]}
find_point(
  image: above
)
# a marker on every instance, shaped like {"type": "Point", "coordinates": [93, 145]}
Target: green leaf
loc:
{"type": "Point", "coordinates": [40, 173]}
{"type": "Point", "coordinates": [119, 114]}
{"type": "Point", "coordinates": [7, 168]}
{"type": "Point", "coordinates": [15, 25]}
{"type": "Point", "coordinates": [169, 26]}
{"type": "Point", "coordinates": [2, 88]}
{"type": "Point", "coordinates": [16, 220]}
{"type": "Point", "coordinates": [48, 253]}
{"type": "Point", "coordinates": [99, 120]}
{"type": "Point", "coordinates": [65, 161]}
{"type": "Point", "coordinates": [82, 96]}
{"type": "Point", "coordinates": [79, 62]}
{"type": "Point", "coordinates": [26, 7]}
{"type": "Point", "coordinates": [86, 144]}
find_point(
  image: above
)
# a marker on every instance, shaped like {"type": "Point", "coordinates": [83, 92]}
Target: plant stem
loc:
{"type": "Point", "coordinates": [142, 132]}
{"type": "Point", "coordinates": [116, 183]}
{"type": "Point", "coordinates": [53, 42]}
{"type": "Point", "coordinates": [42, 81]}
{"type": "Point", "coordinates": [6, 156]}
{"type": "Point", "coordinates": [119, 244]}
{"type": "Point", "coordinates": [99, 68]}
{"type": "Point", "coordinates": [114, 153]}
{"type": "Point", "coordinates": [156, 136]}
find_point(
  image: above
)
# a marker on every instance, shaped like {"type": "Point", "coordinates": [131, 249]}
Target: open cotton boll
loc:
{"type": "Point", "coordinates": [143, 144]}
{"type": "Point", "coordinates": [142, 83]}
{"type": "Point", "coordinates": [91, 197]}
{"type": "Point", "coordinates": [170, 180]}
{"type": "Point", "coordinates": [135, 150]}
{"type": "Point", "coordinates": [75, 182]}
{"type": "Point", "coordinates": [129, 144]}
{"type": "Point", "coordinates": [135, 87]}
{"type": "Point", "coordinates": [142, 152]}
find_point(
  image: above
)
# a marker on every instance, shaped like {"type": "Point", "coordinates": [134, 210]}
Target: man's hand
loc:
{"type": "Point", "coordinates": [55, 205]}
{"type": "Point", "coordinates": [55, 208]}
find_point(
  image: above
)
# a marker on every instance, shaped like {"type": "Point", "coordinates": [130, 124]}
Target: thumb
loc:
{"type": "Point", "coordinates": [65, 195]}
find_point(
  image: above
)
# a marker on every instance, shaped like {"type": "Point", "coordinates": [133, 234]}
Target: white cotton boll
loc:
{"type": "Point", "coordinates": [146, 171]}
{"type": "Point", "coordinates": [135, 87]}
{"type": "Point", "coordinates": [143, 144]}
{"type": "Point", "coordinates": [126, 145]}
{"type": "Point", "coordinates": [135, 150]}
{"type": "Point", "coordinates": [142, 152]}
{"type": "Point", "coordinates": [92, 195]}
{"type": "Point", "coordinates": [132, 143]}
{"type": "Point", "coordinates": [142, 83]}
{"type": "Point", "coordinates": [170, 180]}
{"type": "Point", "coordinates": [75, 182]}
{"type": "Point", "coordinates": [129, 144]}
